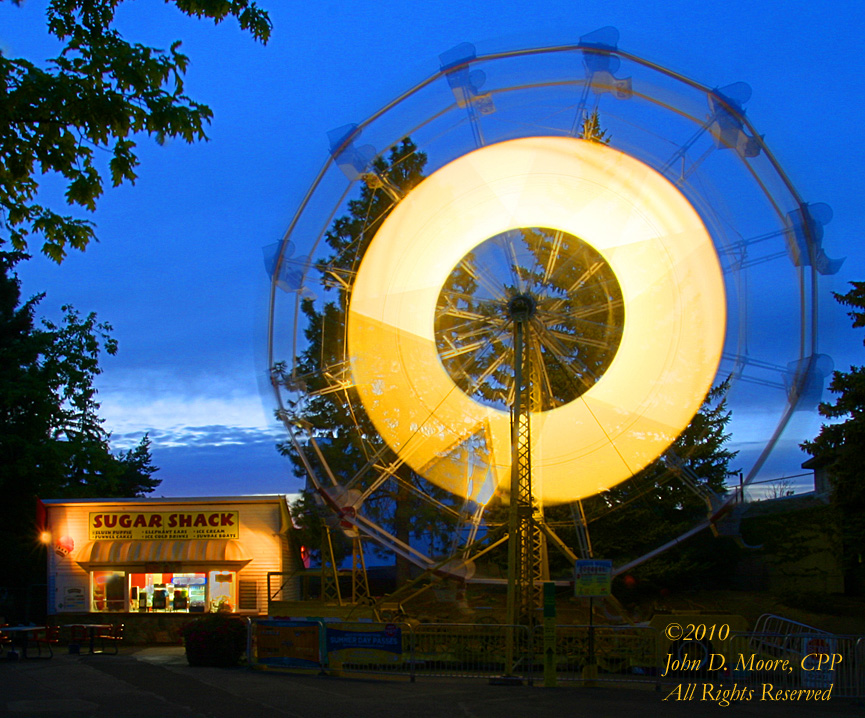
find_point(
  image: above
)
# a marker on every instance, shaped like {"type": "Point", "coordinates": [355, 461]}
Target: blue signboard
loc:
{"type": "Point", "coordinates": [389, 639]}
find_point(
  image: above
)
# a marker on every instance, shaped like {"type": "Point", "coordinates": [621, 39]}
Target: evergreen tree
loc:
{"type": "Point", "coordinates": [52, 442]}
{"type": "Point", "coordinates": [346, 437]}
{"type": "Point", "coordinates": [591, 129]}
{"type": "Point", "coordinates": [655, 506]}
{"type": "Point", "coordinates": [838, 447]}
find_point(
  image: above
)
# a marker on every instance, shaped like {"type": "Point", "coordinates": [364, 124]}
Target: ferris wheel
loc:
{"type": "Point", "coordinates": [534, 266]}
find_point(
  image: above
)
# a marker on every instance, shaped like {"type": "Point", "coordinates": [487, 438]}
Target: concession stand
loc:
{"type": "Point", "coordinates": [156, 563]}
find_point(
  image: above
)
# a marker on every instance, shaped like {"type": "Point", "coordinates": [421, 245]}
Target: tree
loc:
{"type": "Point", "coordinates": [135, 478]}
{"type": "Point", "coordinates": [591, 129]}
{"type": "Point", "coordinates": [52, 442]}
{"type": "Point", "coordinates": [838, 447]}
{"type": "Point", "coordinates": [655, 506]}
{"type": "Point", "coordinates": [347, 446]}
{"type": "Point", "coordinates": [97, 96]}
{"type": "Point", "coordinates": [310, 519]}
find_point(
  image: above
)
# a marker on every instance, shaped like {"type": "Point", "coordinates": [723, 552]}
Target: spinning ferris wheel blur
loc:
{"type": "Point", "coordinates": [595, 242]}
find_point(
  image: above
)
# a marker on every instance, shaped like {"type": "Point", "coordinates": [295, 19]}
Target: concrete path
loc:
{"type": "Point", "coordinates": [157, 683]}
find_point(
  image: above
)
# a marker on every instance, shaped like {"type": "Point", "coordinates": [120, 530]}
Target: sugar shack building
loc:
{"type": "Point", "coordinates": [159, 560]}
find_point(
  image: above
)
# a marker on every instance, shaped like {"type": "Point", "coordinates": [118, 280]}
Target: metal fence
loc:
{"type": "Point", "coordinates": [619, 653]}
{"type": "Point", "coordinates": [366, 647]}
{"type": "Point", "coordinates": [452, 650]}
{"type": "Point", "coordinates": [473, 650]}
{"type": "Point", "coordinates": [760, 663]}
{"type": "Point", "coordinates": [770, 662]}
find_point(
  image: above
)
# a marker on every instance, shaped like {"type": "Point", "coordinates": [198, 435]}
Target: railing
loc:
{"type": "Point", "coordinates": [629, 653]}
{"type": "Point", "coordinates": [453, 650]}
{"type": "Point", "coordinates": [374, 648]}
{"type": "Point", "coordinates": [755, 664]}
{"type": "Point", "coordinates": [282, 585]}
{"type": "Point", "coordinates": [473, 651]}
{"type": "Point", "coordinates": [777, 636]}
{"type": "Point", "coordinates": [794, 663]}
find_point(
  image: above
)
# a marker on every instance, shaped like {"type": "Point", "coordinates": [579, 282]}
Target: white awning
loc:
{"type": "Point", "coordinates": [198, 551]}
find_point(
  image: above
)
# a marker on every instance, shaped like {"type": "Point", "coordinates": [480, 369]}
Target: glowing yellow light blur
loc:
{"type": "Point", "coordinates": [673, 291]}
{"type": "Point", "coordinates": [45, 537]}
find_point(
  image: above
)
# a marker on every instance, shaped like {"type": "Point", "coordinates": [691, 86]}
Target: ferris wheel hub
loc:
{"type": "Point", "coordinates": [522, 307]}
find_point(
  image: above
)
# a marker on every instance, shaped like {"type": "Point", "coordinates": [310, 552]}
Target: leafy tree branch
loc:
{"type": "Point", "coordinates": [100, 93]}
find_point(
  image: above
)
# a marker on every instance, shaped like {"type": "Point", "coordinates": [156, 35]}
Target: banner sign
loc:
{"type": "Point", "coordinates": [592, 577]}
{"type": "Point", "coordinates": [361, 645]}
{"type": "Point", "coordinates": [293, 644]}
{"type": "Point", "coordinates": [144, 526]}
{"type": "Point", "coordinates": [389, 639]}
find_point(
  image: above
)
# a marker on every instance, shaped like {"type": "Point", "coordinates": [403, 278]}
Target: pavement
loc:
{"type": "Point", "coordinates": [157, 682]}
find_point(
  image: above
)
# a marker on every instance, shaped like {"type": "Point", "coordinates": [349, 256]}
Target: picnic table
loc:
{"type": "Point", "coordinates": [93, 632]}
{"type": "Point", "coordinates": [23, 636]}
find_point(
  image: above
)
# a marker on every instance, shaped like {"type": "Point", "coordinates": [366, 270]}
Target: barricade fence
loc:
{"type": "Point", "coordinates": [441, 650]}
{"type": "Point", "coordinates": [473, 650]}
{"type": "Point", "coordinates": [361, 647]}
{"type": "Point", "coordinates": [757, 664]}
{"type": "Point", "coordinates": [317, 645]}
{"type": "Point", "coordinates": [287, 643]}
{"type": "Point", "coordinates": [769, 662]}
{"type": "Point", "coordinates": [629, 653]}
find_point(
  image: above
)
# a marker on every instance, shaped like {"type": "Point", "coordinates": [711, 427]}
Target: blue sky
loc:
{"type": "Point", "coordinates": [179, 271]}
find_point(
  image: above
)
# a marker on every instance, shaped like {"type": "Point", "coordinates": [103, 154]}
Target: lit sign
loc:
{"type": "Point", "coordinates": [592, 577]}
{"type": "Point", "coordinates": [121, 525]}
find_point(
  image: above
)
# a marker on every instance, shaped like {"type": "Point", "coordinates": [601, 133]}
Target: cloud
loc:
{"type": "Point", "coordinates": [212, 435]}
{"type": "Point", "coordinates": [215, 435]}
{"type": "Point", "coordinates": [213, 461]}
{"type": "Point", "coordinates": [180, 409]}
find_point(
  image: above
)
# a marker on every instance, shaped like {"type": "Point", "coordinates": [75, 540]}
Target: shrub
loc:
{"type": "Point", "coordinates": [215, 639]}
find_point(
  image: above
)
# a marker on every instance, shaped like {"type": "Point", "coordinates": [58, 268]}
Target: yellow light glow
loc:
{"type": "Point", "coordinates": [673, 291]}
{"type": "Point", "coordinates": [45, 537]}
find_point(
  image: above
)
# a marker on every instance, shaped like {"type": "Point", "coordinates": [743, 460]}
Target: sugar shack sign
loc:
{"type": "Point", "coordinates": [144, 526]}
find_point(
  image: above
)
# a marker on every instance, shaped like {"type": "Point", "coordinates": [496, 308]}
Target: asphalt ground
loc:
{"type": "Point", "coordinates": [157, 682]}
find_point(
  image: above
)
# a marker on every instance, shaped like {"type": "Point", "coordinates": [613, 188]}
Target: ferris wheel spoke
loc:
{"type": "Point", "coordinates": [554, 256]}
{"type": "Point", "coordinates": [579, 339]}
{"type": "Point", "coordinates": [457, 335]}
{"type": "Point", "coordinates": [464, 349]}
{"type": "Point", "coordinates": [536, 241]}
{"type": "Point", "coordinates": [482, 279]}
{"type": "Point", "coordinates": [565, 359]}
{"type": "Point", "coordinates": [605, 284]}
{"type": "Point", "coordinates": [486, 333]}
{"type": "Point", "coordinates": [745, 262]}
{"type": "Point", "coordinates": [576, 257]}
{"type": "Point", "coordinates": [574, 288]}
{"type": "Point", "coordinates": [587, 275]}
{"type": "Point", "coordinates": [471, 317]}
{"type": "Point", "coordinates": [452, 297]}
{"type": "Point", "coordinates": [499, 360]}
{"type": "Point", "coordinates": [540, 365]}
{"type": "Point", "coordinates": [582, 313]}
{"type": "Point", "coordinates": [478, 363]}
{"type": "Point", "coordinates": [512, 261]}
{"type": "Point", "coordinates": [456, 313]}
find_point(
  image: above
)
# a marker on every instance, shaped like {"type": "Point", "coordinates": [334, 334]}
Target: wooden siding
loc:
{"type": "Point", "coordinates": [259, 535]}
